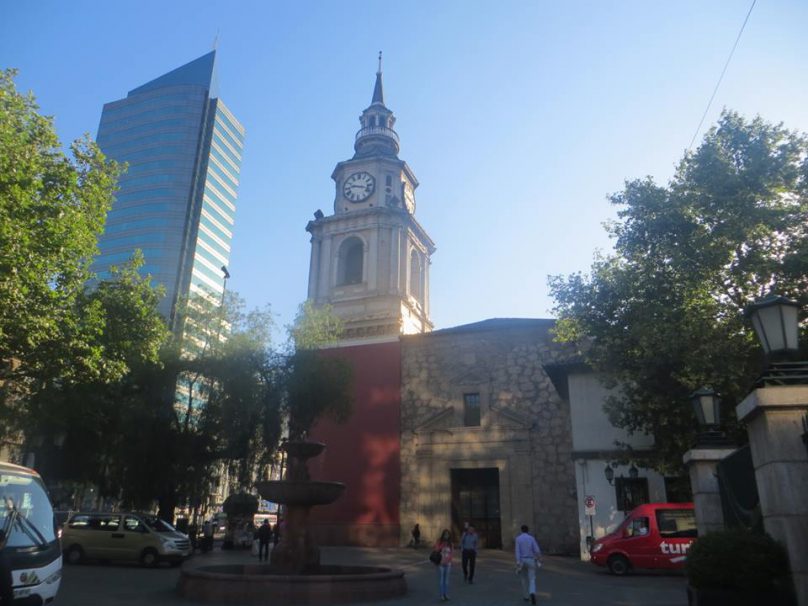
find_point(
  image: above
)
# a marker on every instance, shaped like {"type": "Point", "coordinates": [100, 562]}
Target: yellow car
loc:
{"type": "Point", "coordinates": [123, 536]}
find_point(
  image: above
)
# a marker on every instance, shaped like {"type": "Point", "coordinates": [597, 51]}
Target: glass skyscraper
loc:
{"type": "Point", "coordinates": [177, 201]}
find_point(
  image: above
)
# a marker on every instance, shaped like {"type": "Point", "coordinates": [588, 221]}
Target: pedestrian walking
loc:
{"type": "Point", "coordinates": [468, 546]}
{"type": "Point", "coordinates": [264, 535]}
{"type": "Point", "coordinates": [207, 536]}
{"type": "Point", "coordinates": [528, 558]}
{"type": "Point", "coordinates": [416, 536]}
{"type": "Point", "coordinates": [276, 533]}
{"type": "Point", "coordinates": [193, 535]}
{"type": "Point", "coordinates": [444, 547]}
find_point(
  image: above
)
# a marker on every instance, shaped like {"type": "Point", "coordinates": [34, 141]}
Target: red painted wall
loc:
{"type": "Point", "coordinates": [364, 453]}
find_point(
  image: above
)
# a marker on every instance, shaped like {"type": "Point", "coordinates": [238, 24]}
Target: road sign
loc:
{"type": "Point", "coordinates": [589, 504]}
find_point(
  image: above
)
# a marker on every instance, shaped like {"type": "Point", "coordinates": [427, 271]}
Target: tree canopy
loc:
{"type": "Point", "coordinates": [52, 209]}
{"type": "Point", "coordinates": [663, 314]}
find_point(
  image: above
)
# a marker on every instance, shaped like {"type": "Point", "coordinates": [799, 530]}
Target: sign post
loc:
{"type": "Point", "coordinates": [589, 510]}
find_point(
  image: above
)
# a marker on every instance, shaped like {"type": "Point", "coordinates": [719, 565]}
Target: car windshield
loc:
{"type": "Point", "coordinates": [26, 516]}
{"type": "Point", "coordinates": [158, 525]}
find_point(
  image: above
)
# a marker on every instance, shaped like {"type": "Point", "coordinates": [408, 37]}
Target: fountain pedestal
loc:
{"type": "Point", "coordinates": [297, 552]}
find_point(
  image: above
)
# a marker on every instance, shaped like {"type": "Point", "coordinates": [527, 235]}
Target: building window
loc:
{"type": "Point", "coordinates": [471, 409]}
{"type": "Point", "coordinates": [415, 276]}
{"type": "Point", "coordinates": [351, 259]}
{"type": "Point", "coordinates": [630, 492]}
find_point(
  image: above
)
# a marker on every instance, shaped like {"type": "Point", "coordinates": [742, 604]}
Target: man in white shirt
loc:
{"type": "Point", "coordinates": [527, 555]}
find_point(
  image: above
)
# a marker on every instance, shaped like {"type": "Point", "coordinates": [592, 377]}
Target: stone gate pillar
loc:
{"type": "Point", "coordinates": [702, 463]}
{"type": "Point", "coordinates": [773, 417]}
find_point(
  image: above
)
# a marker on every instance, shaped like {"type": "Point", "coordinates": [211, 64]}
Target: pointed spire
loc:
{"type": "Point", "coordinates": [378, 91]}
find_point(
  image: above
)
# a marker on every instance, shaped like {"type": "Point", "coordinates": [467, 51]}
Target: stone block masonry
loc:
{"type": "Point", "coordinates": [524, 431]}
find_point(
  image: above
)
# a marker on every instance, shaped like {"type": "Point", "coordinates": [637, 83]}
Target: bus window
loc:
{"type": "Point", "coordinates": [23, 497]}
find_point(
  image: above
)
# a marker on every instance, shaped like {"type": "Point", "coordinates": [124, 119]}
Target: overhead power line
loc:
{"type": "Point", "coordinates": [721, 77]}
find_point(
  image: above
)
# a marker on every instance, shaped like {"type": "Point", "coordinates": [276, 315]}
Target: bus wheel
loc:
{"type": "Point", "coordinates": [74, 554]}
{"type": "Point", "coordinates": [618, 565]}
{"type": "Point", "coordinates": [149, 558]}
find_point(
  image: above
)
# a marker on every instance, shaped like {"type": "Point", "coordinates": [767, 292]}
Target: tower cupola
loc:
{"type": "Point", "coordinates": [377, 137]}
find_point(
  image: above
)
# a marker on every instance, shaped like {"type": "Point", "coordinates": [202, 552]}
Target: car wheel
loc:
{"type": "Point", "coordinates": [618, 565]}
{"type": "Point", "coordinates": [149, 558]}
{"type": "Point", "coordinates": [74, 554]}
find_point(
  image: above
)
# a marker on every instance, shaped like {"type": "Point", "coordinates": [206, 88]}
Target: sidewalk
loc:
{"type": "Point", "coordinates": [561, 581]}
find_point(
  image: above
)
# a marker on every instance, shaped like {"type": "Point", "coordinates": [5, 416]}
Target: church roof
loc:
{"type": "Point", "coordinates": [497, 324]}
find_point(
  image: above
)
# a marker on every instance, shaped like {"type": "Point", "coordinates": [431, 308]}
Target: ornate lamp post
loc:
{"type": "Point", "coordinates": [707, 406]}
{"type": "Point", "coordinates": [775, 321]}
{"type": "Point", "coordinates": [773, 412]}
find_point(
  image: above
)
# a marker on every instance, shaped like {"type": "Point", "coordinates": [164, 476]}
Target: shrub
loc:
{"type": "Point", "coordinates": [736, 559]}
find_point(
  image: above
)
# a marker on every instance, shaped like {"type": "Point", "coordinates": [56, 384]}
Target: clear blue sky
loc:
{"type": "Point", "coordinates": [517, 117]}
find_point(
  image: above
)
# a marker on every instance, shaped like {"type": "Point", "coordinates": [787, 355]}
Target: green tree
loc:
{"type": "Point", "coordinates": [316, 385]}
{"type": "Point", "coordinates": [315, 326]}
{"type": "Point", "coordinates": [52, 209]}
{"type": "Point", "coordinates": [92, 416]}
{"type": "Point", "coordinates": [662, 315]}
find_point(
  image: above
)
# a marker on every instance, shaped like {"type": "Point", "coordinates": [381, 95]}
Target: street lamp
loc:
{"type": "Point", "coordinates": [707, 406]}
{"type": "Point", "coordinates": [609, 473]}
{"type": "Point", "coordinates": [774, 319]}
{"type": "Point", "coordinates": [776, 322]}
{"type": "Point", "coordinates": [633, 472]}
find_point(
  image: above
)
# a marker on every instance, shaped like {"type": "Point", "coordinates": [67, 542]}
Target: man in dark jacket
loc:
{"type": "Point", "coordinates": [468, 543]}
{"type": "Point", "coordinates": [264, 535]}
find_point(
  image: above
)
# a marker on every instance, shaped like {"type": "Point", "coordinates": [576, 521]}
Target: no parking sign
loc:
{"type": "Point", "coordinates": [589, 504]}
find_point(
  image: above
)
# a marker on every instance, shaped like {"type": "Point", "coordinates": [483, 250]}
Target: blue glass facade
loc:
{"type": "Point", "coordinates": [177, 200]}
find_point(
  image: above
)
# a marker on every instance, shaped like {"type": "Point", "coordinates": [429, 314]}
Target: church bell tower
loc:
{"type": "Point", "coordinates": [370, 259]}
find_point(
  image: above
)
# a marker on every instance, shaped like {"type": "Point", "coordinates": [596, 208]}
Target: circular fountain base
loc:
{"type": "Point", "coordinates": [258, 584]}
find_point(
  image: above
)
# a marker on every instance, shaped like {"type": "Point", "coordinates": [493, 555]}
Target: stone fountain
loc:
{"type": "Point", "coordinates": [295, 574]}
{"type": "Point", "coordinates": [297, 552]}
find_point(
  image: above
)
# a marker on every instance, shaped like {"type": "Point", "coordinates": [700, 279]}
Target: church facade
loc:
{"type": "Point", "coordinates": [474, 423]}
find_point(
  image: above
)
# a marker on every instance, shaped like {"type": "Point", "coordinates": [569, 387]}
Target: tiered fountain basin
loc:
{"type": "Point", "coordinates": [257, 584]}
{"type": "Point", "coordinates": [305, 493]}
{"type": "Point", "coordinates": [295, 574]}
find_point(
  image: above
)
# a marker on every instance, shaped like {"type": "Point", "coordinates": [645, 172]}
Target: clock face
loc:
{"type": "Point", "coordinates": [359, 186]}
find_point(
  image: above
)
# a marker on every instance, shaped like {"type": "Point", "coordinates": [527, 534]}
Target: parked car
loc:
{"type": "Point", "coordinates": [123, 536]}
{"type": "Point", "coordinates": [654, 535]}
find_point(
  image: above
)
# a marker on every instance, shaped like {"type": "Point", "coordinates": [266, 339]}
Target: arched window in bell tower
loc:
{"type": "Point", "coordinates": [351, 259]}
{"type": "Point", "coordinates": [416, 290]}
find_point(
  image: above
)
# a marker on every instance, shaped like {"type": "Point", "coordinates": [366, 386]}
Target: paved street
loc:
{"type": "Point", "coordinates": [562, 581]}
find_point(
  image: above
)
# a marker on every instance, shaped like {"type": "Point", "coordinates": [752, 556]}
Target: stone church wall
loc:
{"type": "Point", "coordinates": [524, 432]}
